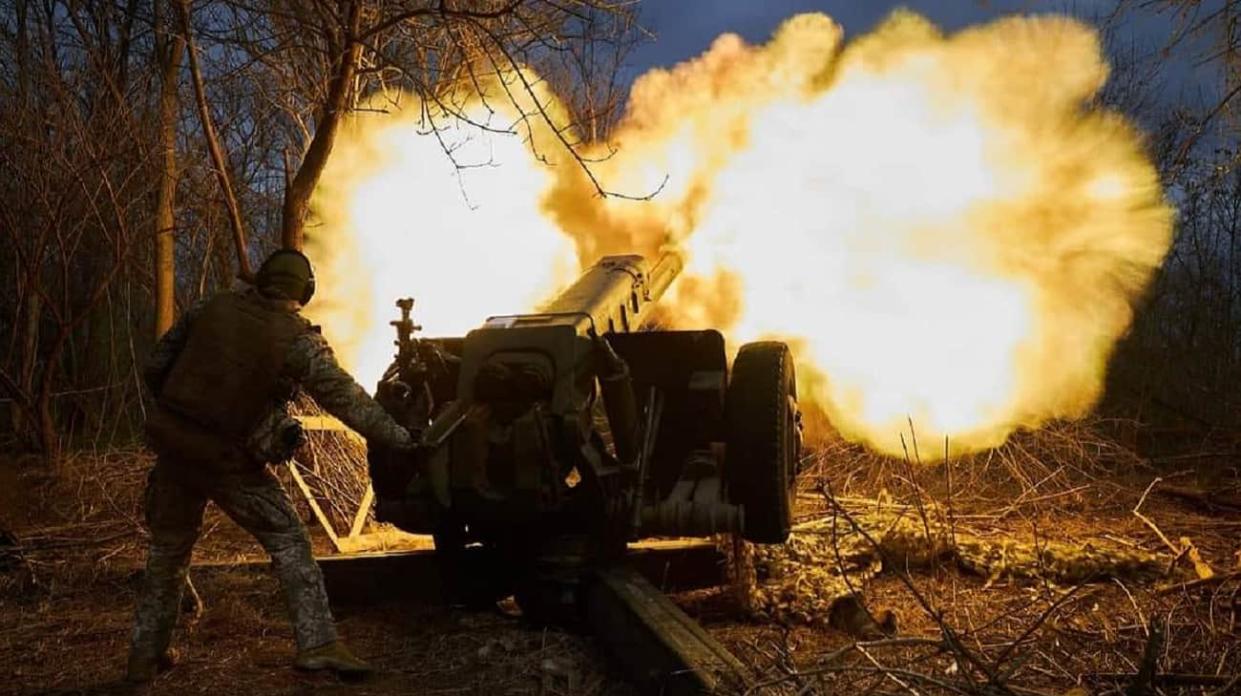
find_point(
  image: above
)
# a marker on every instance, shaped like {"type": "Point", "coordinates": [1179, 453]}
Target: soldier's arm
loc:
{"type": "Point", "coordinates": [314, 365]}
{"type": "Point", "coordinates": [168, 347]}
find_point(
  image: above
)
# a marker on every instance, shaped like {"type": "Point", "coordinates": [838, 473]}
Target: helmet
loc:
{"type": "Point", "coordinates": [287, 274]}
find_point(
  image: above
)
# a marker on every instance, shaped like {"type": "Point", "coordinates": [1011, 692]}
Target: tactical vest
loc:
{"type": "Point", "coordinates": [229, 374]}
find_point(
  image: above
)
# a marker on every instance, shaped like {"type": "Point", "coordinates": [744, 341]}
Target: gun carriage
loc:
{"type": "Point", "coordinates": [551, 439]}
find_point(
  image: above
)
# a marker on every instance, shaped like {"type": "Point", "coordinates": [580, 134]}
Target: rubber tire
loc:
{"type": "Point", "coordinates": [762, 439]}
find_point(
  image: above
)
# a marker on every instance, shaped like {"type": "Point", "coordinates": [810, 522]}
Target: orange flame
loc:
{"type": "Point", "coordinates": [946, 228]}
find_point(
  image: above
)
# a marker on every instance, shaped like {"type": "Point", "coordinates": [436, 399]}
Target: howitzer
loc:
{"type": "Point", "coordinates": [554, 438]}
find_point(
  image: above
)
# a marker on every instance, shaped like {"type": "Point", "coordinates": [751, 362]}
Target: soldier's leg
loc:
{"type": "Point", "coordinates": [257, 503]}
{"type": "Point", "coordinates": [174, 512]}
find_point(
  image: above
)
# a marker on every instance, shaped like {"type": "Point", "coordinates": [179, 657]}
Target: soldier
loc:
{"type": "Point", "coordinates": [222, 378]}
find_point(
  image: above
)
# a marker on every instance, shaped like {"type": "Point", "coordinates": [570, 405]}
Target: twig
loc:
{"type": "Point", "coordinates": [1176, 550]}
{"type": "Point", "coordinates": [195, 597]}
{"type": "Point", "coordinates": [213, 146]}
{"type": "Point", "coordinates": [1200, 582]}
{"type": "Point", "coordinates": [292, 465]}
{"type": "Point", "coordinates": [1143, 681]}
{"type": "Point", "coordinates": [1008, 650]}
{"type": "Point", "coordinates": [885, 671]}
{"type": "Point", "coordinates": [1173, 679]}
{"type": "Point", "coordinates": [1142, 618]}
{"type": "Point", "coordinates": [1201, 497]}
{"type": "Point", "coordinates": [1228, 688]}
{"type": "Point", "coordinates": [950, 637]}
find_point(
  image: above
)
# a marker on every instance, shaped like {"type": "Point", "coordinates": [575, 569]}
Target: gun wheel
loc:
{"type": "Point", "coordinates": [763, 439]}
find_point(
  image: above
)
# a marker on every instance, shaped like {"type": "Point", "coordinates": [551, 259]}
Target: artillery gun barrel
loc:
{"type": "Point", "coordinates": [553, 345]}
{"type": "Point", "coordinates": [618, 293]}
{"type": "Point", "coordinates": [665, 271]}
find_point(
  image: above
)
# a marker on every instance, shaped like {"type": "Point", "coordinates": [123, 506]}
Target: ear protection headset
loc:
{"type": "Point", "coordinates": [308, 290]}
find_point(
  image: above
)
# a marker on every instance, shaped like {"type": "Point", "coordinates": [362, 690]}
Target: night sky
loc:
{"type": "Point", "coordinates": [685, 28]}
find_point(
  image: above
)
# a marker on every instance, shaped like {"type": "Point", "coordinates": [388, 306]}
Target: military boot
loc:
{"type": "Point", "coordinates": [143, 668]}
{"type": "Point", "coordinates": [332, 656]}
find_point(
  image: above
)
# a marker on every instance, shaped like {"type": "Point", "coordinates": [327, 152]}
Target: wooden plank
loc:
{"type": "Point", "coordinates": [361, 578]}
{"type": "Point", "coordinates": [329, 424]}
{"type": "Point", "coordinates": [663, 650]}
{"type": "Point", "coordinates": [365, 578]}
{"type": "Point", "coordinates": [364, 509]}
{"type": "Point", "coordinates": [314, 504]}
{"type": "Point", "coordinates": [678, 565]}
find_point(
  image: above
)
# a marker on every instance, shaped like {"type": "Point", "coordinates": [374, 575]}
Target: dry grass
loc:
{"type": "Point", "coordinates": [65, 607]}
{"type": "Point", "coordinates": [67, 592]}
{"type": "Point", "coordinates": [334, 466]}
{"type": "Point", "coordinates": [1061, 494]}
{"type": "Point", "coordinates": [959, 635]}
{"type": "Point", "coordinates": [1066, 466]}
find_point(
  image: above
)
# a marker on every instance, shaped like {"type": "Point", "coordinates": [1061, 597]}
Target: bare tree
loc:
{"type": "Point", "coordinates": [344, 46]}
{"type": "Point", "coordinates": [218, 158]}
{"type": "Point", "coordinates": [168, 50]}
{"type": "Point", "coordinates": [1183, 355]}
{"type": "Point", "coordinates": [1204, 34]}
{"type": "Point", "coordinates": [319, 57]}
{"type": "Point", "coordinates": [94, 150]}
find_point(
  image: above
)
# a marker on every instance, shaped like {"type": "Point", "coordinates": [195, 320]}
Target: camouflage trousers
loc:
{"type": "Point", "coordinates": [175, 500]}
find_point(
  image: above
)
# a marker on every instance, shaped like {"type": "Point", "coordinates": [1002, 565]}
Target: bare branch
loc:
{"type": "Point", "coordinates": [213, 144]}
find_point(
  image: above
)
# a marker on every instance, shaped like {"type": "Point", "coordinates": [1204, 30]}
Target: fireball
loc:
{"type": "Point", "coordinates": [948, 229]}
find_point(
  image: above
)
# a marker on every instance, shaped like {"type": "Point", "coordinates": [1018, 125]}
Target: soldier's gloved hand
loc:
{"type": "Point", "coordinates": [292, 437]}
{"type": "Point", "coordinates": [411, 441]}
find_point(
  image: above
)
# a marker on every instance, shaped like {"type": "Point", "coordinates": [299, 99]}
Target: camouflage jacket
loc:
{"type": "Point", "coordinates": [311, 366]}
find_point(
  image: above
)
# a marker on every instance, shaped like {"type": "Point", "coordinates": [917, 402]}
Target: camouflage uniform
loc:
{"type": "Point", "coordinates": [245, 490]}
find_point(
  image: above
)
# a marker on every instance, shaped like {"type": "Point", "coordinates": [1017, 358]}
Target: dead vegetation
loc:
{"type": "Point", "coordinates": [1059, 561]}
{"type": "Point", "coordinates": [70, 567]}
{"type": "Point", "coordinates": [1035, 576]}
{"type": "Point", "coordinates": [1020, 607]}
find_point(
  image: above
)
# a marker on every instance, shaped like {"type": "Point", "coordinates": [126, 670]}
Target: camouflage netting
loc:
{"type": "Point", "coordinates": [828, 560]}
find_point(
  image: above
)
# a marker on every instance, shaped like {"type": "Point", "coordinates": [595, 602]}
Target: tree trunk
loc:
{"type": "Point", "coordinates": [213, 147]}
{"type": "Point", "coordinates": [49, 436]}
{"type": "Point", "coordinates": [340, 91]}
{"type": "Point", "coordinates": [169, 52]}
{"type": "Point", "coordinates": [30, 356]}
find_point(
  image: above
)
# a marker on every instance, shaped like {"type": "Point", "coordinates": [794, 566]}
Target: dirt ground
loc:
{"type": "Point", "coordinates": [70, 568]}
